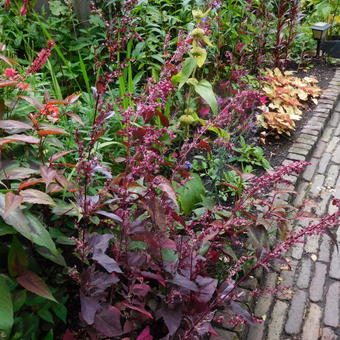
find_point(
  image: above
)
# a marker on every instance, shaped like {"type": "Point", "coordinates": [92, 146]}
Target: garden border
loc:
{"type": "Point", "coordinates": [300, 150]}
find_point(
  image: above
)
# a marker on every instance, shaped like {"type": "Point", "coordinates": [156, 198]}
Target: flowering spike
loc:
{"type": "Point", "coordinates": [23, 10]}
{"type": "Point", "coordinates": [41, 59]}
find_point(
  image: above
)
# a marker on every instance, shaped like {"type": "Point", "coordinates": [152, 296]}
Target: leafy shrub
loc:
{"type": "Point", "coordinates": [248, 154]}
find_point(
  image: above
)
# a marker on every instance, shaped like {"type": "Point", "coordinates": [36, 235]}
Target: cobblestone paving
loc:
{"type": "Point", "coordinates": [310, 309]}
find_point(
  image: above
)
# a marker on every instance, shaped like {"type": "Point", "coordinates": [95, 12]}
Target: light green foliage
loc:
{"type": "Point", "coordinates": [191, 194]}
{"type": "Point", "coordinates": [249, 154]}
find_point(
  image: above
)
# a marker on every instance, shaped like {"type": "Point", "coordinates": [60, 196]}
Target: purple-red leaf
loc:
{"type": "Point", "coordinates": [207, 288]}
{"type": "Point", "coordinates": [68, 335]}
{"type": "Point", "coordinates": [36, 196]}
{"type": "Point", "coordinates": [184, 282]}
{"type": "Point", "coordinates": [138, 309]}
{"type": "Point", "coordinates": [73, 97]}
{"type": "Point", "coordinates": [107, 321]}
{"type": "Point", "coordinates": [33, 283]}
{"type": "Point", "coordinates": [89, 306]}
{"type": "Point", "coordinates": [12, 202]}
{"type": "Point", "coordinates": [19, 138]}
{"type": "Point", "coordinates": [11, 126]}
{"type": "Point", "coordinates": [19, 173]}
{"type": "Point", "coordinates": [59, 155]}
{"type": "Point", "coordinates": [76, 118]}
{"type": "Point", "coordinates": [245, 315]}
{"type": "Point", "coordinates": [165, 185]}
{"type": "Point", "coordinates": [47, 174]}
{"type": "Point", "coordinates": [154, 276]}
{"type": "Point", "coordinates": [33, 101]}
{"type": "Point", "coordinates": [9, 61]}
{"type": "Point", "coordinates": [99, 244]}
{"type": "Point", "coordinates": [145, 335]}
{"type": "Point", "coordinates": [6, 83]}
{"type": "Point", "coordinates": [172, 318]}
{"type": "Point", "coordinates": [112, 216]}
{"type": "Point", "coordinates": [49, 131]}
{"type": "Point", "coordinates": [30, 182]}
{"type": "Point", "coordinates": [140, 289]}
{"type": "Point", "coordinates": [95, 282]}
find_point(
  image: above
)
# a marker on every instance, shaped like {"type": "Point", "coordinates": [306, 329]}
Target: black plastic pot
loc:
{"type": "Point", "coordinates": [331, 46]}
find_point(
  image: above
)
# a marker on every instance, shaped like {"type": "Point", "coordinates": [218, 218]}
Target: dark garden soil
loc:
{"type": "Point", "coordinates": [276, 150]}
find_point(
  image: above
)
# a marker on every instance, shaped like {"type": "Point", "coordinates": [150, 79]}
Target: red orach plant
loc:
{"type": "Point", "coordinates": [146, 270]}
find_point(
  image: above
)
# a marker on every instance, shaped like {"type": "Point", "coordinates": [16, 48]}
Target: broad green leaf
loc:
{"type": "Point", "coordinates": [19, 298]}
{"type": "Point", "coordinates": [169, 255]}
{"type": "Point", "coordinates": [17, 258]}
{"type": "Point", "coordinates": [191, 193]}
{"type": "Point", "coordinates": [33, 283]}
{"type": "Point", "coordinates": [6, 308]}
{"type": "Point", "coordinates": [221, 133]}
{"type": "Point", "coordinates": [30, 227]}
{"type": "Point", "coordinates": [42, 238]}
{"type": "Point", "coordinates": [46, 315]}
{"type": "Point", "coordinates": [60, 311]}
{"type": "Point", "coordinates": [188, 67]}
{"type": "Point", "coordinates": [204, 89]}
{"type": "Point", "coordinates": [200, 55]}
{"type": "Point", "coordinates": [6, 229]}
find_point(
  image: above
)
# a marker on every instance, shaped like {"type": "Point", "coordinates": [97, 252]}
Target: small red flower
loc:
{"type": "Point", "coordinates": [204, 112]}
{"type": "Point", "coordinates": [41, 58]}
{"type": "Point", "coordinates": [7, 3]}
{"type": "Point", "coordinates": [10, 72]}
{"type": "Point", "coordinates": [50, 110]}
{"type": "Point", "coordinates": [23, 10]}
{"type": "Point", "coordinates": [23, 86]}
{"type": "Point", "coordinates": [264, 100]}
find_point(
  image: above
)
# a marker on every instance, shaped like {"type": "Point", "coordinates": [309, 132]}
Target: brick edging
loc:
{"type": "Point", "coordinates": [303, 147]}
{"type": "Point", "coordinates": [301, 150]}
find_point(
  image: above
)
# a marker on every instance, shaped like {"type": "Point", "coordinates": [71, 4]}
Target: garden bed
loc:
{"type": "Point", "coordinates": [134, 201]}
{"type": "Point", "coordinates": [276, 150]}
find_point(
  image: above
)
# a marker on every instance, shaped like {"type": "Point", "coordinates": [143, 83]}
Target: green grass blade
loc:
{"type": "Point", "coordinates": [84, 73]}
{"type": "Point", "coordinates": [55, 83]}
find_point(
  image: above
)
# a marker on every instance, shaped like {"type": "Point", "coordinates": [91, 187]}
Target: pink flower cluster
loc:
{"type": "Point", "coordinates": [23, 9]}
{"type": "Point", "coordinates": [41, 59]}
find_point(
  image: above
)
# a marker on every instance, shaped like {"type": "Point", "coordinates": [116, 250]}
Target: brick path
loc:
{"type": "Point", "coordinates": [310, 309]}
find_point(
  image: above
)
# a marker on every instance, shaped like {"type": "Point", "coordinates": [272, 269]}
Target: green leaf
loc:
{"type": "Point", "coordinates": [19, 298]}
{"type": "Point", "coordinates": [17, 258]}
{"type": "Point", "coordinates": [188, 67]}
{"type": "Point", "coordinates": [45, 314]}
{"type": "Point", "coordinates": [49, 335]}
{"type": "Point", "coordinates": [191, 194]}
{"type": "Point", "coordinates": [6, 229]}
{"type": "Point", "coordinates": [60, 311]}
{"type": "Point", "coordinates": [30, 227]}
{"type": "Point", "coordinates": [201, 59]}
{"type": "Point", "coordinates": [221, 133]}
{"type": "Point", "coordinates": [204, 89]}
{"type": "Point", "coordinates": [6, 308]}
{"type": "Point", "coordinates": [169, 255]}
